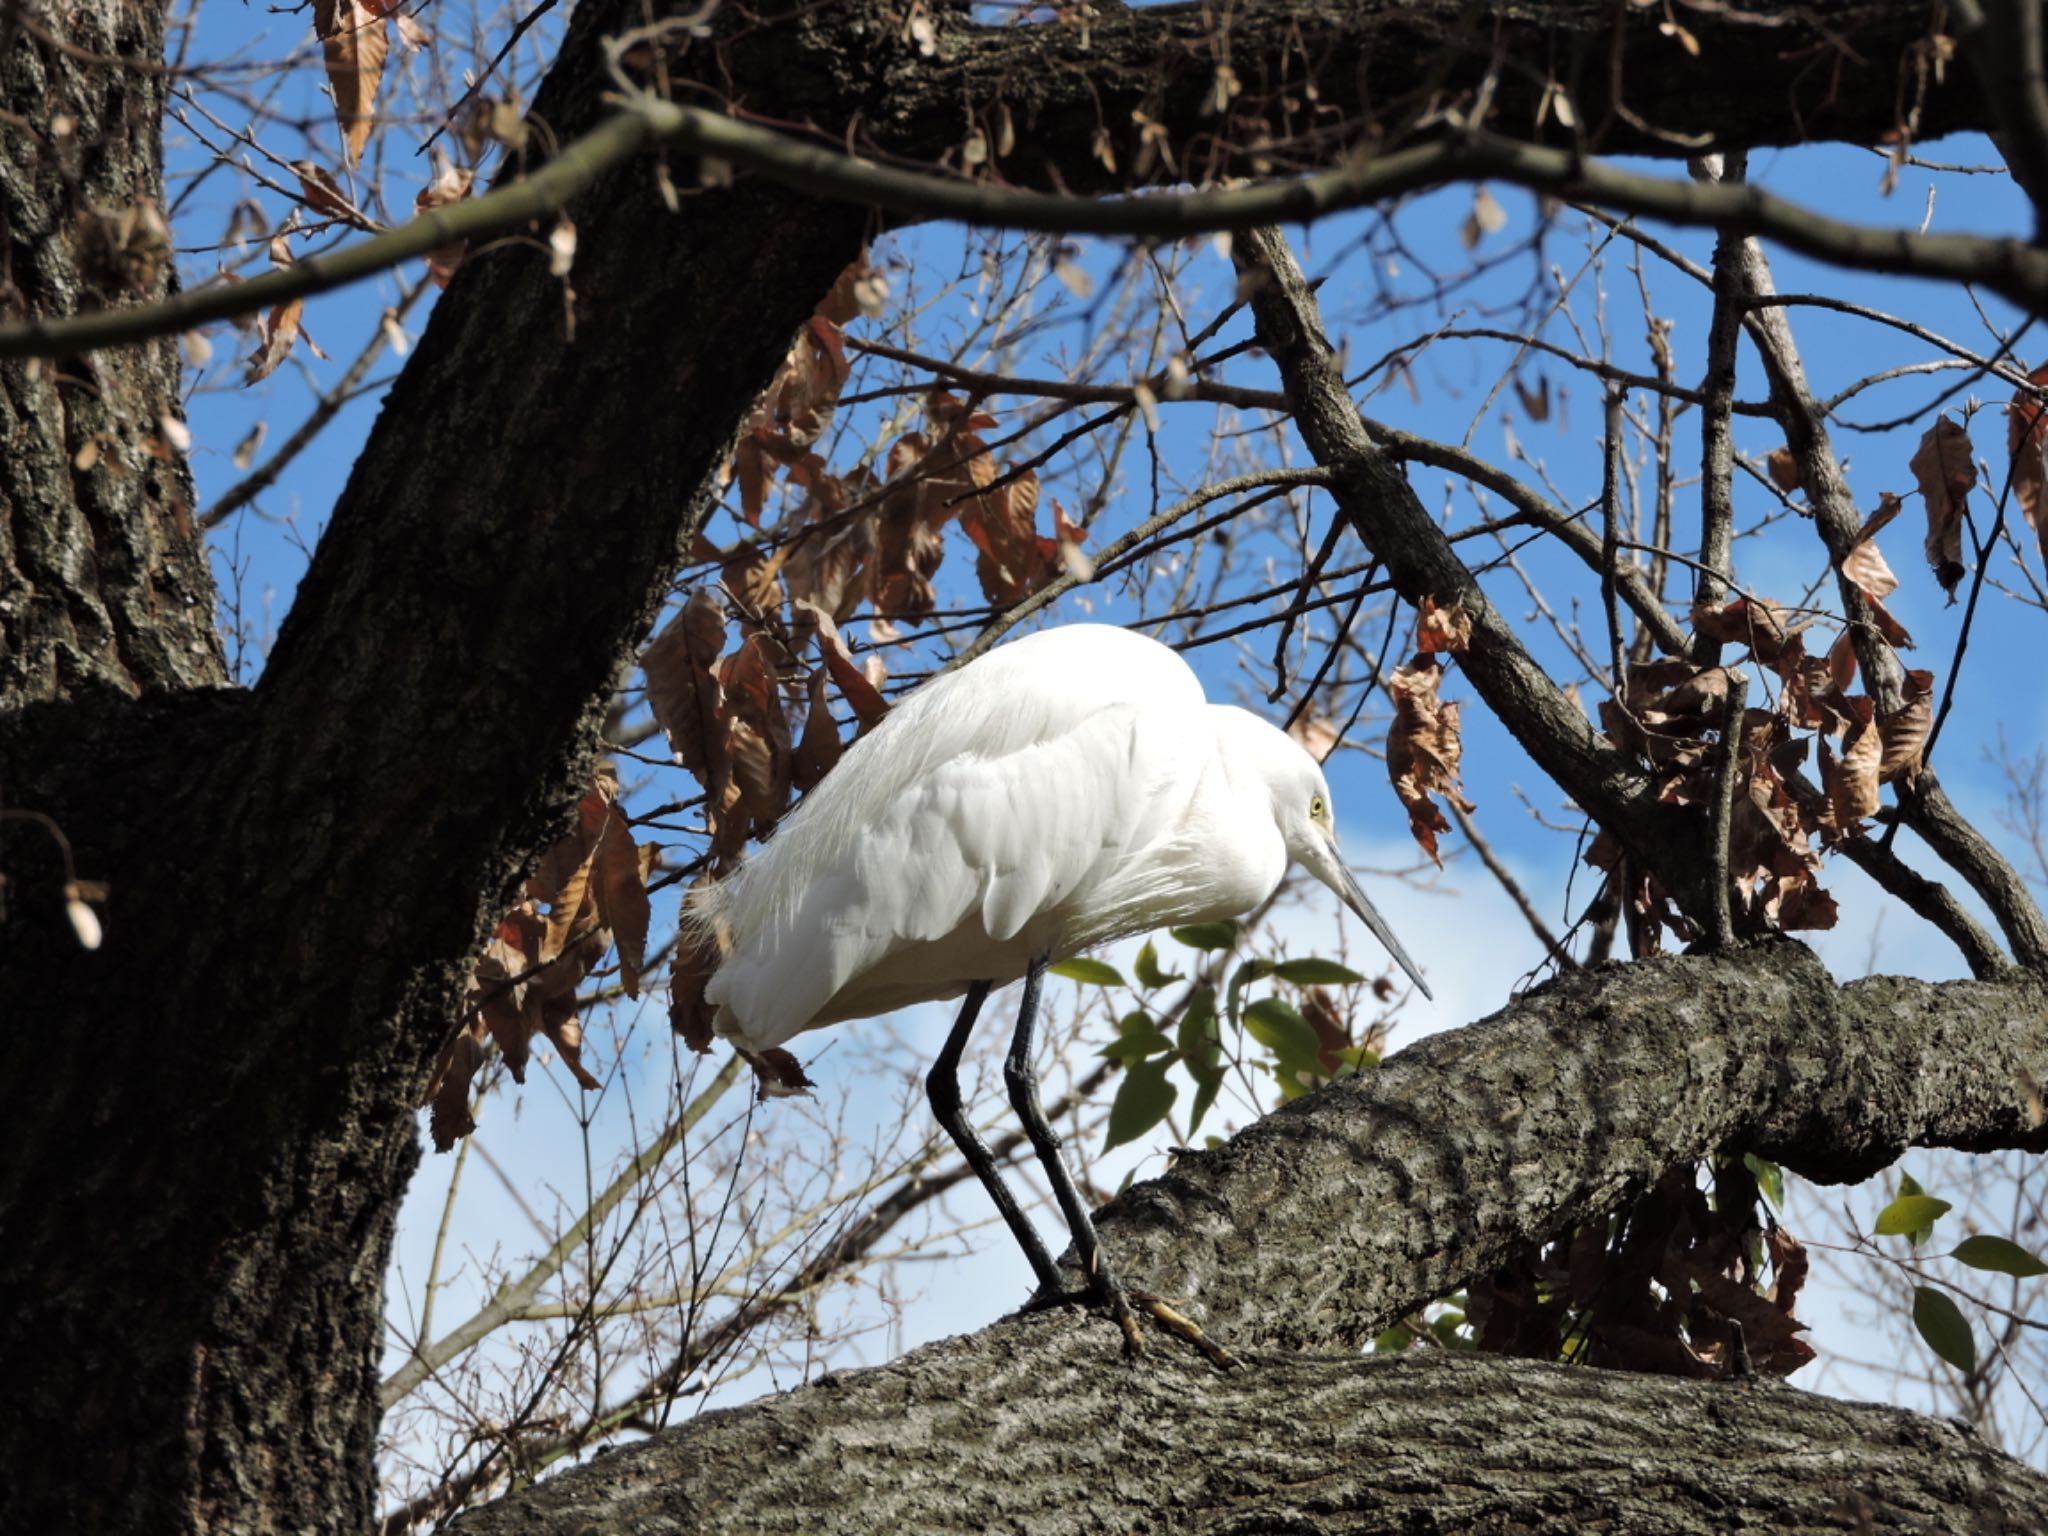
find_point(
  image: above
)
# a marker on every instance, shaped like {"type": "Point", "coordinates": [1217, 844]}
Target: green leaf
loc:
{"type": "Point", "coordinates": [1943, 1326]}
{"type": "Point", "coordinates": [1999, 1254]}
{"type": "Point", "coordinates": [1206, 935]}
{"type": "Point", "coordinates": [1911, 1216]}
{"type": "Point", "coordinates": [1136, 1038]}
{"type": "Point", "coordinates": [1289, 1082]}
{"type": "Point", "coordinates": [1290, 1037]}
{"type": "Point", "coordinates": [1147, 968]}
{"type": "Point", "coordinates": [1394, 1340]}
{"type": "Point", "coordinates": [1093, 973]}
{"type": "Point", "coordinates": [1200, 1048]}
{"type": "Point", "coordinates": [1358, 1057]}
{"type": "Point", "coordinates": [1770, 1178]}
{"type": "Point", "coordinates": [1316, 973]}
{"type": "Point", "coordinates": [1233, 995]}
{"type": "Point", "coordinates": [1142, 1101]}
{"type": "Point", "coordinates": [1907, 1186]}
{"type": "Point", "coordinates": [1205, 1096]}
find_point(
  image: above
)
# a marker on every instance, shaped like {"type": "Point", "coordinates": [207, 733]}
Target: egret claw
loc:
{"type": "Point", "coordinates": [1184, 1328]}
{"type": "Point", "coordinates": [1124, 1304]}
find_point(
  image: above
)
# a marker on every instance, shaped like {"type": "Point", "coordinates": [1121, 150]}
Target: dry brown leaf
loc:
{"type": "Point", "coordinates": [1783, 469]}
{"type": "Point", "coordinates": [448, 1093]}
{"type": "Point", "coordinates": [1841, 665]}
{"type": "Point", "coordinates": [753, 581]}
{"type": "Point", "coordinates": [321, 192]}
{"type": "Point", "coordinates": [1423, 749]}
{"type": "Point", "coordinates": [354, 44]}
{"type": "Point", "coordinates": [861, 692]}
{"type": "Point", "coordinates": [1864, 564]}
{"type": "Point", "coordinates": [1942, 465]}
{"type": "Point", "coordinates": [500, 989]}
{"type": "Point", "coordinates": [1013, 561]}
{"type": "Point", "coordinates": [1851, 782]}
{"type": "Point", "coordinates": [1905, 729]}
{"type": "Point", "coordinates": [907, 554]}
{"type": "Point", "coordinates": [1760, 625]}
{"type": "Point", "coordinates": [621, 888]}
{"type": "Point", "coordinates": [828, 572]}
{"type": "Point", "coordinates": [778, 1074]}
{"type": "Point", "coordinates": [844, 301]}
{"type": "Point", "coordinates": [572, 909]}
{"type": "Point", "coordinates": [558, 1018]}
{"type": "Point", "coordinates": [1441, 628]}
{"type": "Point", "coordinates": [757, 729]}
{"type": "Point", "coordinates": [683, 689]}
{"type": "Point", "coordinates": [278, 331]}
{"type": "Point", "coordinates": [2026, 433]}
{"type": "Point", "coordinates": [451, 184]}
{"type": "Point", "coordinates": [818, 752]}
{"type": "Point", "coordinates": [699, 948]}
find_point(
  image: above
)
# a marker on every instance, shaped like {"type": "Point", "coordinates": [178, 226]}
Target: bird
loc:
{"type": "Point", "coordinates": [1055, 794]}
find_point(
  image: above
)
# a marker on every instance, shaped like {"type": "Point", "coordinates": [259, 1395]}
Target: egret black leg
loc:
{"type": "Point", "coordinates": [1021, 1077]}
{"type": "Point", "coordinates": [942, 1087]}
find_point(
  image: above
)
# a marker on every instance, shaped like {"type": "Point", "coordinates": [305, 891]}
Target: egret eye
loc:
{"type": "Point", "coordinates": [1317, 810]}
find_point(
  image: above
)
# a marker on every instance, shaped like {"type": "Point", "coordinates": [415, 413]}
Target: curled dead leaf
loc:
{"type": "Point", "coordinates": [2027, 440]}
{"type": "Point", "coordinates": [1864, 564]}
{"type": "Point", "coordinates": [1851, 781]}
{"type": "Point", "coordinates": [1423, 749]}
{"type": "Point", "coordinates": [1943, 467]}
{"type": "Point", "coordinates": [447, 1095]}
{"type": "Point", "coordinates": [1441, 627]}
{"type": "Point", "coordinates": [1761, 625]}
{"type": "Point", "coordinates": [621, 891]}
{"type": "Point", "coordinates": [817, 753]}
{"type": "Point", "coordinates": [354, 44]}
{"type": "Point", "coordinates": [451, 184]}
{"type": "Point", "coordinates": [861, 692]}
{"type": "Point", "coordinates": [1906, 729]}
{"type": "Point", "coordinates": [683, 690]}
{"type": "Point", "coordinates": [699, 948]}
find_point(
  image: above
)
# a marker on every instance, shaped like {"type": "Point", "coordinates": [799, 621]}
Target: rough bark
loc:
{"type": "Point", "coordinates": [1034, 1428]}
{"type": "Point", "coordinates": [1323, 1223]}
{"type": "Point", "coordinates": [201, 1153]}
{"type": "Point", "coordinates": [103, 583]}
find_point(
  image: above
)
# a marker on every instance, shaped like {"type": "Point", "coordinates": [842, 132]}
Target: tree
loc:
{"type": "Point", "coordinates": [199, 1173]}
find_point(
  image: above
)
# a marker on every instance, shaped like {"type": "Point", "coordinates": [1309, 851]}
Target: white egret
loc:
{"type": "Point", "coordinates": [1065, 790]}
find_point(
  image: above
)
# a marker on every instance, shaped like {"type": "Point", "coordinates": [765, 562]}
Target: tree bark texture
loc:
{"type": "Point", "coordinates": [1321, 1224]}
{"type": "Point", "coordinates": [203, 1146]}
{"type": "Point", "coordinates": [103, 582]}
{"type": "Point", "coordinates": [1035, 1427]}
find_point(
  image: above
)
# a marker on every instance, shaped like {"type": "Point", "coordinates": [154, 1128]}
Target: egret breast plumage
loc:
{"type": "Point", "coordinates": [1063, 791]}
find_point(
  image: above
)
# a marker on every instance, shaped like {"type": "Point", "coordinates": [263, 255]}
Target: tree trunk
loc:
{"type": "Point", "coordinates": [201, 1155]}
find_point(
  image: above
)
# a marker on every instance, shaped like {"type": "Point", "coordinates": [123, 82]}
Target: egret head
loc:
{"type": "Point", "coordinates": [1309, 826]}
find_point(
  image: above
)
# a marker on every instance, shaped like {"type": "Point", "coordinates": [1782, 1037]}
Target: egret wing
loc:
{"type": "Point", "coordinates": [937, 877]}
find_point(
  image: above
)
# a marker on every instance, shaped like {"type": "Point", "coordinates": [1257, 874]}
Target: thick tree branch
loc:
{"type": "Point", "coordinates": [1034, 1428]}
{"type": "Point", "coordinates": [983, 64]}
{"type": "Point", "coordinates": [1345, 1210]}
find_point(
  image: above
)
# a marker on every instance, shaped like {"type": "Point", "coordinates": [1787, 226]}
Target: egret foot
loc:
{"type": "Point", "coordinates": [1184, 1328]}
{"type": "Point", "coordinates": [1124, 1304]}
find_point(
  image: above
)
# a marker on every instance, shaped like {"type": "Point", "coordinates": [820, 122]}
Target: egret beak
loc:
{"type": "Point", "coordinates": [1331, 872]}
